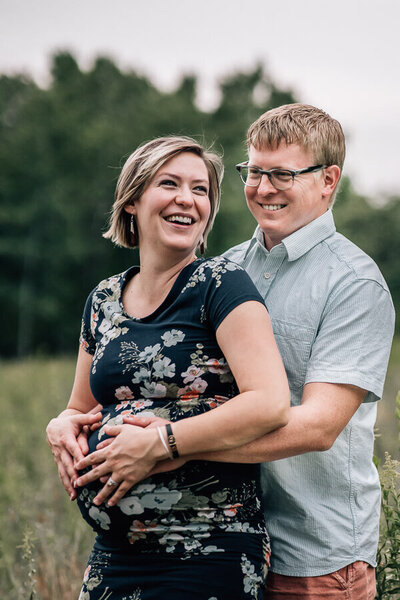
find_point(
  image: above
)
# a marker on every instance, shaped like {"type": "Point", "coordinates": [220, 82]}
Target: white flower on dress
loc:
{"type": "Point", "coordinates": [171, 338]}
{"type": "Point", "coordinates": [100, 517]}
{"type": "Point", "coordinates": [109, 308]}
{"type": "Point", "coordinates": [104, 326]}
{"type": "Point", "coordinates": [124, 392]}
{"type": "Point", "coordinates": [141, 375]}
{"type": "Point", "coordinates": [191, 373]}
{"type": "Point", "coordinates": [162, 498]}
{"type": "Point", "coordinates": [149, 353]}
{"type": "Point", "coordinates": [164, 368]}
{"type": "Point", "coordinates": [152, 389]}
{"type": "Point", "coordinates": [130, 505]}
{"type": "Point", "coordinates": [140, 404]}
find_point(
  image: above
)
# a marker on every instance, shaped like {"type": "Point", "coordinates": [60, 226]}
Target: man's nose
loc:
{"type": "Point", "coordinates": [265, 186]}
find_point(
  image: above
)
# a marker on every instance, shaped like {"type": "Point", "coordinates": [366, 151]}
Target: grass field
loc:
{"type": "Point", "coordinates": [44, 543]}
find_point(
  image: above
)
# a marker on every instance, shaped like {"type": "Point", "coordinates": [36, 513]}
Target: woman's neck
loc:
{"type": "Point", "coordinates": [149, 288]}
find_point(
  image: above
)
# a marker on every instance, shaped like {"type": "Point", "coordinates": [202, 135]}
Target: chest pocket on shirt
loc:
{"type": "Point", "coordinates": [294, 342]}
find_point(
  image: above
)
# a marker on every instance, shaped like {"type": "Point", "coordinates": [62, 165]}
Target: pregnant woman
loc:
{"type": "Point", "coordinates": [189, 340]}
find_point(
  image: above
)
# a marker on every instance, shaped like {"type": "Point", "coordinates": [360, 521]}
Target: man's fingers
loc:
{"type": "Point", "coordinates": [66, 481]}
{"type": "Point", "coordinates": [82, 441]}
{"type": "Point", "coordinates": [74, 449]}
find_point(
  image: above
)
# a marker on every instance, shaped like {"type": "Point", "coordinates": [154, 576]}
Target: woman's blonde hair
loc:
{"type": "Point", "coordinates": [139, 170]}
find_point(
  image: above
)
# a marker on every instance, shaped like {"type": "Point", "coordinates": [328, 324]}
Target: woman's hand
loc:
{"type": "Point", "coordinates": [67, 438]}
{"type": "Point", "coordinates": [127, 459]}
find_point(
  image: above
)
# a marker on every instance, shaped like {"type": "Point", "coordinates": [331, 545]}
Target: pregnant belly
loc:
{"type": "Point", "coordinates": [169, 508]}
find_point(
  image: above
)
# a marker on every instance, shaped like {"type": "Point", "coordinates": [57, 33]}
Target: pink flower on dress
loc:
{"type": "Point", "coordinates": [231, 510]}
{"type": "Point", "coordinates": [217, 366]}
{"type": "Point", "coordinates": [124, 392]}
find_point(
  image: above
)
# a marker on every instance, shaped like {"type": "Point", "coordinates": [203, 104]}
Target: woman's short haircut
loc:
{"type": "Point", "coordinates": [139, 170]}
{"type": "Point", "coordinates": [302, 124]}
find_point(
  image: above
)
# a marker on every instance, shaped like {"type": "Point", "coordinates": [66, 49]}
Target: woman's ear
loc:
{"type": "Point", "coordinates": [130, 208]}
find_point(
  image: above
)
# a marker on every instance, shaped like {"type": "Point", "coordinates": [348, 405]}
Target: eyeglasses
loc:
{"type": "Point", "coordinates": [281, 179]}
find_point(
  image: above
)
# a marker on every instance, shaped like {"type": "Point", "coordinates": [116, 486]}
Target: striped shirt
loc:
{"type": "Point", "coordinates": [333, 321]}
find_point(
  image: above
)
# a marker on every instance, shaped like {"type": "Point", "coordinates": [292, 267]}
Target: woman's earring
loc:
{"type": "Point", "coordinates": [133, 231]}
{"type": "Point", "coordinates": [201, 246]}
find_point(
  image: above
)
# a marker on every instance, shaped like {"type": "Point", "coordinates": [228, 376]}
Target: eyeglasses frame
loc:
{"type": "Point", "coordinates": [262, 172]}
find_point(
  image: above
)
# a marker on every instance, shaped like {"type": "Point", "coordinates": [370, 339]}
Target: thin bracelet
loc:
{"type": "Point", "coordinates": [167, 450]}
{"type": "Point", "coordinates": [171, 441]}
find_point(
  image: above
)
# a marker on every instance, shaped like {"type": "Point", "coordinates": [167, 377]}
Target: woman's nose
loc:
{"type": "Point", "coordinates": [184, 196]}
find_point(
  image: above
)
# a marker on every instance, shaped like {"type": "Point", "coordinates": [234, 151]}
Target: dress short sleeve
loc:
{"type": "Point", "coordinates": [86, 338]}
{"type": "Point", "coordinates": [226, 286]}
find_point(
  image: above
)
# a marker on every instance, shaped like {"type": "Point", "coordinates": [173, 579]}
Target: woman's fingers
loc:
{"type": "Point", "coordinates": [145, 421]}
{"type": "Point", "coordinates": [104, 444]}
{"type": "Point", "coordinates": [91, 459]}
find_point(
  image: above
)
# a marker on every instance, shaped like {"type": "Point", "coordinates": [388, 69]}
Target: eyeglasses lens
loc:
{"type": "Point", "coordinates": [280, 179]}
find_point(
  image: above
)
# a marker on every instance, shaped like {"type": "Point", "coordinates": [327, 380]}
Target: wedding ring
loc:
{"type": "Point", "coordinates": [111, 482]}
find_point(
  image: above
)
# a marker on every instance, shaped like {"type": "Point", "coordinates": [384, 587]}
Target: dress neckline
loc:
{"type": "Point", "coordinates": [177, 286]}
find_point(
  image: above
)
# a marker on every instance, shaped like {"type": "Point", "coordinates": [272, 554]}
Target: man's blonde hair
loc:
{"type": "Point", "coordinates": [139, 170]}
{"type": "Point", "coordinates": [302, 124]}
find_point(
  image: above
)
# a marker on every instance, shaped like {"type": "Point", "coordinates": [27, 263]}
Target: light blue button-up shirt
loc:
{"type": "Point", "coordinates": [333, 321]}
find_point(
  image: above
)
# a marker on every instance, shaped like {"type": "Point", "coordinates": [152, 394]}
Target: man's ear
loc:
{"type": "Point", "coordinates": [331, 176]}
{"type": "Point", "coordinates": [130, 208]}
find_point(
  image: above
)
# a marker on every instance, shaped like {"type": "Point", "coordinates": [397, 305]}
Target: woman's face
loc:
{"type": "Point", "coordinates": [173, 211]}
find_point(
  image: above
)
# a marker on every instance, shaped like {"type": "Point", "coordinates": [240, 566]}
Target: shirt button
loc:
{"type": "Point", "coordinates": [267, 275]}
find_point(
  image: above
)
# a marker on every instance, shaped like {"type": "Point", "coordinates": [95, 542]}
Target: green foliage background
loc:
{"type": "Point", "coordinates": [60, 153]}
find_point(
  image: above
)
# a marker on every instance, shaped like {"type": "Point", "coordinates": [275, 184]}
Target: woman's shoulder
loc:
{"type": "Point", "coordinates": [216, 266]}
{"type": "Point", "coordinates": [211, 273]}
{"type": "Point", "coordinates": [114, 283]}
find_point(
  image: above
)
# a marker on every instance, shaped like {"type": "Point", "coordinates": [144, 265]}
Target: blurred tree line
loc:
{"type": "Point", "coordinates": [61, 149]}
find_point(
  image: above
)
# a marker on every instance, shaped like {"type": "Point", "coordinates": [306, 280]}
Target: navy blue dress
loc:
{"type": "Point", "coordinates": [198, 531]}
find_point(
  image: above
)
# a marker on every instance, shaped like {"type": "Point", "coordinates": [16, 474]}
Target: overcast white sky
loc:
{"type": "Point", "coordinates": [343, 56]}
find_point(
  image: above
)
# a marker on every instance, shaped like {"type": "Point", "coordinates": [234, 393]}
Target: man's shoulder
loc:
{"type": "Point", "coordinates": [353, 259]}
{"type": "Point", "coordinates": [237, 253]}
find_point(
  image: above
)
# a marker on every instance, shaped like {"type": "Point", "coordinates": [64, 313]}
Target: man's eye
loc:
{"type": "Point", "coordinates": [282, 175]}
{"type": "Point", "coordinates": [253, 171]}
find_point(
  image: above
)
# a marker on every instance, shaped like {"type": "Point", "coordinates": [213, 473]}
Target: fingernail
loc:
{"type": "Point", "coordinates": [96, 501]}
{"type": "Point", "coordinates": [77, 483]}
{"type": "Point", "coordinates": [72, 496]}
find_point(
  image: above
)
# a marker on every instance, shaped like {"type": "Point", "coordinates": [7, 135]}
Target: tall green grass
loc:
{"type": "Point", "coordinates": [44, 543]}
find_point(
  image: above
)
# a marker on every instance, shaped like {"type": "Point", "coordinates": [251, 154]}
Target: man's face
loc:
{"type": "Point", "coordinates": [280, 213]}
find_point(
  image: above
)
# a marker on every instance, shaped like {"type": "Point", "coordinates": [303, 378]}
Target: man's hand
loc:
{"type": "Point", "coordinates": [62, 436]}
{"type": "Point", "coordinates": [127, 459]}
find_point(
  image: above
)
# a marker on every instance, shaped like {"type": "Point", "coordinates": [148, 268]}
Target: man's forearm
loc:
{"type": "Point", "coordinates": [297, 437]}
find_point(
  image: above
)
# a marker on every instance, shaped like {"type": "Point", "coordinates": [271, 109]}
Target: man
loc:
{"type": "Point", "coordinates": [333, 320]}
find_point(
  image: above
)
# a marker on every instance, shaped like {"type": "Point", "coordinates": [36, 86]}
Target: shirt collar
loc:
{"type": "Point", "coordinates": [302, 240]}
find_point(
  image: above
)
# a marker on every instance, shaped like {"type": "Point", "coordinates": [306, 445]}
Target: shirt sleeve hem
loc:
{"type": "Point", "coordinates": [374, 387]}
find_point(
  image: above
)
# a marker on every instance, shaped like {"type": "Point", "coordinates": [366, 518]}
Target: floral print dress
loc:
{"type": "Point", "coordinates": [198, 531]}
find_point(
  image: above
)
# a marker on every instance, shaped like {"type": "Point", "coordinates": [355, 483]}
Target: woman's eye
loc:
{"type": "Point", "coordinates": [168, 182]}
{"type": "Point", "coordinates": [201, 189]}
